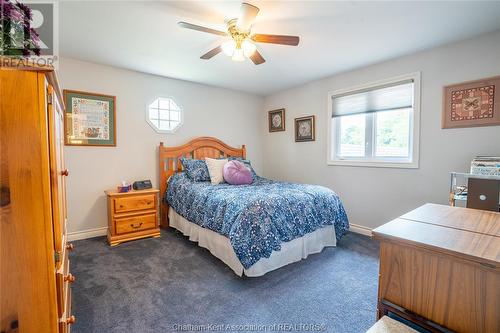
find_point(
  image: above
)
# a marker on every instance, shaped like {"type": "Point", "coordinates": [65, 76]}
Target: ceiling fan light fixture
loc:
{"type": "Point", "coordinates": [228, 47]}
{"type": "Point", "coordinates": [239, 41]}
{"type": "Point", "coordinates": [248, 48]}
{"type": "Point", "coordinates": [248, 13]}
{"type": "Point", "coordinates": [238, 55]}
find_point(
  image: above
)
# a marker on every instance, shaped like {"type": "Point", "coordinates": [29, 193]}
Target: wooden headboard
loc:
{"type": "Point", "coordinates": [198, 148]}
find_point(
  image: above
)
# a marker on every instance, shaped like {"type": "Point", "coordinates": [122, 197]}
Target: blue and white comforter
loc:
{"type": "Point", "coordinates": [257, 218]}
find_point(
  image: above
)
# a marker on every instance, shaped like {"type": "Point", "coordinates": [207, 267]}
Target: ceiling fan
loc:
{"type": "Point", "coordinates": [242, 41]}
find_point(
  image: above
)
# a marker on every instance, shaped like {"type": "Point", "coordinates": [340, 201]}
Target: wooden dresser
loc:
{"type": "Point", "coordinates": [132, 215]}
{"type": "Point", "coordinates": [35, 274]}
{"type": "Point", "coordinates": [440, 268]}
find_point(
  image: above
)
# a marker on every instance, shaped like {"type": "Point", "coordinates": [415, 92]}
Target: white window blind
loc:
{"type": "Point", "coordinates": [391, 97]}
{"type": "Point", "coordinates": [376, 124]}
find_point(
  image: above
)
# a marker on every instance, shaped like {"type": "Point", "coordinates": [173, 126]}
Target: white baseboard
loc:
{"type": "Point", "coordinates": [359, 229]}
{"type": "Point", "coordinates": [89, 233]}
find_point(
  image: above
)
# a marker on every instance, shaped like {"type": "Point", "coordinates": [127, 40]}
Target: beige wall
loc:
{"type": "Point", "coordinates": [232, 116]}
{"type": "Point", "coordinates": [373, 196]}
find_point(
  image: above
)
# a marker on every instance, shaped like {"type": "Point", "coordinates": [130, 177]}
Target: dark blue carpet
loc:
{"type": "Point", "coordinates": [158, 284]}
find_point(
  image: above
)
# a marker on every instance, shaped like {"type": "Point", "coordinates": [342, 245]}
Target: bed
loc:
{"type": "Point", "coordinates": [253, 228]}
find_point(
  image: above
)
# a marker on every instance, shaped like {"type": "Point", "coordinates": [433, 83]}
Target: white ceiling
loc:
{"type": "Point", "coordinates": [335, 36]}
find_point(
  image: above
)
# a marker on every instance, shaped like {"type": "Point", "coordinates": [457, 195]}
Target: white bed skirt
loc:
{"type": "Point", "coordinates": [221, 248]}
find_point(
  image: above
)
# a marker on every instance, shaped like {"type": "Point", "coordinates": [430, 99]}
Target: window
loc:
{"type": "Point", "coordinates": [376, 124]}
{"type": "Point", "coordinates": [164, 115]}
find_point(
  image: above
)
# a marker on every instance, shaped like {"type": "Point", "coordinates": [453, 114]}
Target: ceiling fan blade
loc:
{"type": "Point", "coordinates": [257, 58]}
{"type": "Point", "coordinates": [202, 29]}
{"type": "Point", "coordinates": [276, 39]}
{"type": "Point", "coordinates": [248, 13]}
{"type": "Point", "coordinates": [211, 53]}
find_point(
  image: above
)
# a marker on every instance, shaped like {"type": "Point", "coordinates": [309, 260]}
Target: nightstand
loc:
{"type": "Point", "coordinates": [132, 215]}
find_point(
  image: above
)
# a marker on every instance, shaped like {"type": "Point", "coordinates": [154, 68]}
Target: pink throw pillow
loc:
{"type": "Point", "coordinates": [236, 173]}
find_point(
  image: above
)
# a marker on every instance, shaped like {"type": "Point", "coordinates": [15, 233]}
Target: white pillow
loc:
{"type": "Point", "coordinates": [216, 170]}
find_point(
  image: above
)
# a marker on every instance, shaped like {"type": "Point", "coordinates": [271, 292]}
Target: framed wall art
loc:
{"type": "Point", "coordinates": [277, 120]}
{"type": "Point", "coordinates": [473, 103]}
{"type": "Point", "coordinates": [90, 119]}
{"type": "Point", "coordinates": [304, 129]}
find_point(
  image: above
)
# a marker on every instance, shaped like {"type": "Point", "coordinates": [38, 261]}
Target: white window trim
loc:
{"type": "Point", "coordinates": [413, 163]}
{"type": "Point", "coordinates": [153, 126]}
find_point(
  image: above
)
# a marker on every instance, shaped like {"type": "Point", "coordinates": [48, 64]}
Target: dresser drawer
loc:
{"type": "Point", "coordinates": [135, 223]}
{"type": "Point", "coordinates": [62, 275]}
{"type": "Point", "coordinates": [133, 203]}
{"type": "Point", "coordinates": [63, 280]}
{"type": "Point", "coordinates": [68, 319]}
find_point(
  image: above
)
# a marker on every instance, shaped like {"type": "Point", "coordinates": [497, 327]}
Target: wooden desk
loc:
{"type": "Point", "coordinates": [441, 265]}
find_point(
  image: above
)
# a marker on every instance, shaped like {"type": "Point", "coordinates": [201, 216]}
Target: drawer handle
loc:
{"type": "Point", "coordinates": [70, 278]}
{"type": "Point", "coordinates": [136, 226]}
{"type": "Point", "coordinates": [70, 246]}
{"type": "Point", "coordinates": [70, 320]}
{"type": "Point", "coordinates": [65, 173]}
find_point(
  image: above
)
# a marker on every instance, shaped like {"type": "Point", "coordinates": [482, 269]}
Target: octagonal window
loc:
{"type": "Point", "coordinates": [164, 115]}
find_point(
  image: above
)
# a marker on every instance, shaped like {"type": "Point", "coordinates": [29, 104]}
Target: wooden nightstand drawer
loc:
{"type": "Point", "coordinates": [132, 215]}
{"type": "Point", "coordinates": [136, 202]}
{"type": "Point", "coordinates": [135, 223]}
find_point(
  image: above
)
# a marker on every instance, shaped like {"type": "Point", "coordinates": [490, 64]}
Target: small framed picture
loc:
{"type": "Point", "coordinates": [277, 120]}
{"type": "Point", "coordinates": [473, 103]}
{"type": "Point", "coordinates": [90, 119]}
{"type": "Point", "coordinates": [304, 129]}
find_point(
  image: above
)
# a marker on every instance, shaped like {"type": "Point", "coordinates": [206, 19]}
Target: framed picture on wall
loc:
{"type": "Point", "coordinates": [90, 119]}
{"type": "Point", "coordinates": [473, 103]}
{"type": "Point", "coordinates": [277, 120]}
{"type": "Point", "coordinates": [304, 129]}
